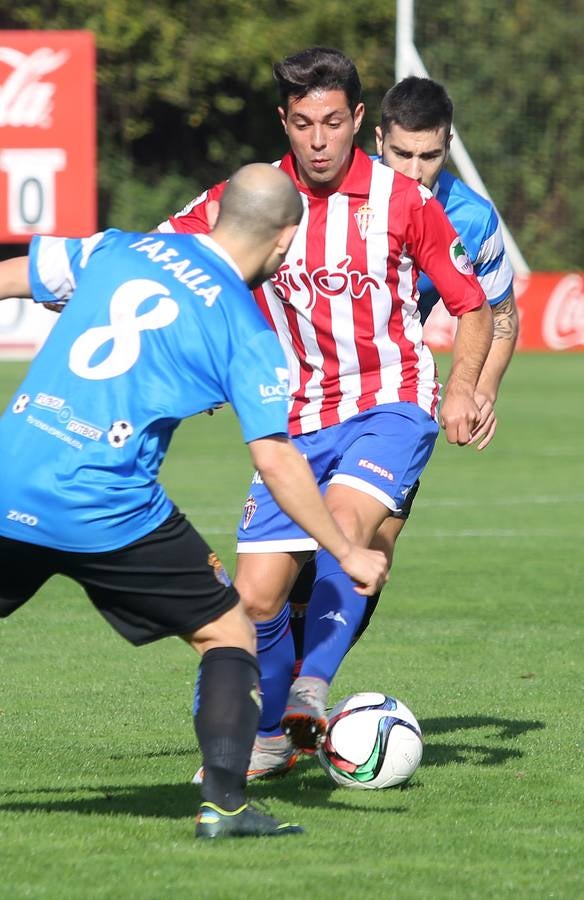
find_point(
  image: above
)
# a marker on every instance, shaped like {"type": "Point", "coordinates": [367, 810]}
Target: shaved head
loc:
{"type": "Point", "coordinates": [259, 200]}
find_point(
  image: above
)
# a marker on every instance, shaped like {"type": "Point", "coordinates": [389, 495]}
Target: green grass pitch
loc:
{"type": "Point", "coordinates": [480, 632]}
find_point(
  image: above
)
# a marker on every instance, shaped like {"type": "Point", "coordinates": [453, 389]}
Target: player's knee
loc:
{"type": "Point", "coordinates": [232, 629]}
{"type": "Point", "coordinates": [260, 599]}
{"type": "Point", "coordinates": [261, 606]}
{"type": "Point", "coordinates": [264, 581]}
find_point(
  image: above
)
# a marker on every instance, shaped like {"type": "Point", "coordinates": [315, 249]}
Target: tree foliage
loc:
{"type": "Point", "coordinates": [185, 95]}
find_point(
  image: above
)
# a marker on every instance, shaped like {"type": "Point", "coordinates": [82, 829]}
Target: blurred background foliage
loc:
{"type": "Point", "coordinates": [185, 95]}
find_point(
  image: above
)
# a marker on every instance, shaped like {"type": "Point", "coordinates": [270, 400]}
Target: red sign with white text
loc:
{"type": "Point", "coordinates": [551, 314]}
{"type": "Point", "coordinates": [47, 134]}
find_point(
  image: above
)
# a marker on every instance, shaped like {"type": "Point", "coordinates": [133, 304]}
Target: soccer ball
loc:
{"type": "Point", "coordinates": [21, 403]}
{"type": "Point", "coordinates": [372, 741]}
{"type": "Point", "coordinates": [119, 433]}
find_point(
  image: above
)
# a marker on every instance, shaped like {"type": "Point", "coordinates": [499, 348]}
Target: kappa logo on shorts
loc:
{"type": "Point", "coordinates": [249, 509]}
{"type": "Point", "coordinates": [377, 470]}
{"type": "Point", "coordinates": [218, 569]}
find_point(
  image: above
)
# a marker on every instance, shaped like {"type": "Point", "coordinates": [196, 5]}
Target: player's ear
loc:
{"type": "Point", "coordinates": [212, 213]}
{"type": "Point", "coordinates": [358, 117]}
{"type": "Point", "coordinates": [448, 143]}
{"type": "Point", "coordinates": [379, 140]}
{"type": "Point", "coordinates": [285, 238]}
{"type": "Point", "coordinates": [282, 115]}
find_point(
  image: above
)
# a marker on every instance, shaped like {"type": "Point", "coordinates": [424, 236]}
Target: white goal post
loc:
{"type": "Point", "coordinates": [409, 62]}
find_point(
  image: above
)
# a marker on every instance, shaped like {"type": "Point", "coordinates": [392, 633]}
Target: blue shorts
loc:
{"type": "Point", "coordinates": [381, 452]}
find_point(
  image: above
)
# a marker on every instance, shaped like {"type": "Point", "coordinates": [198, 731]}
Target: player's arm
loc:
{"type": "Point", "coordinates": [291, 483]}
{"type": "Point", "coordinates": [505, 331]}
{"type": "Point", "coordinates": [14, 279]}
{"type": "Point", "coordinates": [460, 413]}
{"type": "Point", "coordinates": [439, 252]}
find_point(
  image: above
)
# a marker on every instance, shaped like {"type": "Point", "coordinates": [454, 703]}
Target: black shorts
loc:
{"type": "Point", "coordinates": [406, 509]}
{"type": "Point", "coordinates": [166, 583]}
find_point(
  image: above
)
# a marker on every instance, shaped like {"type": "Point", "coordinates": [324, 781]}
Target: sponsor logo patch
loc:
{"type": "Point", "coordinates": [23, 518]}
{"type": "Point", "coordinates": [280, 391]}
{"type": "Point", "coordinates": [48, 401]}
{"type": "Point", "coordinates": [460, 258]}
{"type": "Point", "coordinates": [302, 289]}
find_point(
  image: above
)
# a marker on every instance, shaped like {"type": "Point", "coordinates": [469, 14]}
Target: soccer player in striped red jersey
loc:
{"type": "Point", "coordinates": [414, 137]}
{"type": "Point", "coordinates": [364, 392]}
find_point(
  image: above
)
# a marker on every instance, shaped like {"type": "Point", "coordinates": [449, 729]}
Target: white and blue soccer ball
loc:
{"type": "Point", "coordinates": [372, 741]}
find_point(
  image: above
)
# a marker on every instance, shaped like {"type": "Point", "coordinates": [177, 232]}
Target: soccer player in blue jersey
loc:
{"type": "Point", "coordinates": [414, 138]}
{"type": "Point", "coordinates": [156, 328]}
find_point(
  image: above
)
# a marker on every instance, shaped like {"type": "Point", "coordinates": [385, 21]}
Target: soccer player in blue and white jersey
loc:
{"type": "Point", "coordinates": [156, 328]}
{"type": "Point", "coordinates": [414, 138]}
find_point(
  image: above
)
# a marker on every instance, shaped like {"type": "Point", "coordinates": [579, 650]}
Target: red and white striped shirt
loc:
{"type": "Point", "coordinates": [344, 304]}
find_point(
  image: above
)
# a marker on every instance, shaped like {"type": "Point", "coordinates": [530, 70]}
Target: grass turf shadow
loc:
{"type": "Point", "coordinates": [163, 801]}
{"type": "Point", "coordinates": [306, 785]}
{"type": "Point", "coordinates": [495, 750]}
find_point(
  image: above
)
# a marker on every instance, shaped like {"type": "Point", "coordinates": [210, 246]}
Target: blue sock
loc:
{"type": "Point", "coordinates": [276, 660]}
{"type": "Point", "coordinates": [334, 614]}
{"type": "Point", "coordinates": [197, 693]}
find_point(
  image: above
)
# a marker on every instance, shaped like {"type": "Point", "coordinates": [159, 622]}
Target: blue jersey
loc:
{"type": "Point", "coordinates": [478, 226]}
{"type": "Point", "coordinates": [158, 328]}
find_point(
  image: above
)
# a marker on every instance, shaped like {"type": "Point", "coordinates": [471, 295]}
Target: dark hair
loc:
{"type": "Point", "coordinates": [318, 68]}
{"type": "Point", "coordinates": [416, 104]}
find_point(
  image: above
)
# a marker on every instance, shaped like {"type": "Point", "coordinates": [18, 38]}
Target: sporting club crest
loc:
{"type": "Point", "coordinates": [249, 508]}
{"type": "Point", "coordinates": [363, 218]}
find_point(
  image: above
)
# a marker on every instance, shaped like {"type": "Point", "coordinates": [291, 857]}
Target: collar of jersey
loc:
{"type": "Point", "coordinates": [356, 181]}
{"type": "Point", "coordinates": [212, 244]}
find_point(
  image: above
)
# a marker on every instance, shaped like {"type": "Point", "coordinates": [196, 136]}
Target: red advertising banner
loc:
{"type": "Point", "coordinates": [47, 134]}
{"type": "Point", "coordinates": [551, 314]}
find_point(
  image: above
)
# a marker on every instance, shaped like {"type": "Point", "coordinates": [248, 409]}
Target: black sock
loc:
{"type": "Point", "coordinates": [226, 722]}
{"type": "Point", "coordinates": [299, 599]}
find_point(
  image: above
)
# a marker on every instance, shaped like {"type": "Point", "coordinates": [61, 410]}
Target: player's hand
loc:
{"type": "Point", "coordinates": [484, 432]}
{"type": "Point", "coordinates": [459, 417]}
{"type": "Point", "coordinates": [367, 568]}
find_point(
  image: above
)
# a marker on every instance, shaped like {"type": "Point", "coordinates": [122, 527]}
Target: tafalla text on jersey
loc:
{"type": "Point", "coordinates": [195, 279]}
